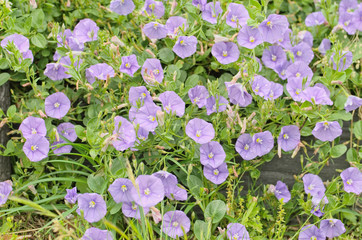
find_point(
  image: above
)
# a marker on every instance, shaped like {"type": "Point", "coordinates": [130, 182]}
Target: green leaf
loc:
{"type": "Point", "coordinates": [215, 211]}
{"type": "Point", "coordinates": [39, 40]}
{"type": "Point", "coordinates": [194, 183]}
{"type": "Point", "coordinates": [200, 229]}
{"type": "Point", "coordinates": [338, 150]}
{"type": "Point", "coordinates": [4, 63]}
{"type": "Point", "coordinates": [166, 55]}
{"type": "Point", "coordinates": [357, 129]}
{"type": "Point", "coordinates": [192, 81]}
{"type": "Point", "coordinates": [37, 18]}
{"type": "Point", "coordinates": [97, 183]}
{"type": "Point", "coordinates": [352, 155]}
{"type": "Point", "coordinates": [4, 77]}
{"type": "Point", "coordinates": [11, 111]}
{"type": "Point", "coordinates": [341, 115]}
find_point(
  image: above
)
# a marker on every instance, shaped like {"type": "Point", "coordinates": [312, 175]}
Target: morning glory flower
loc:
{"type": "Point", "coordinates": [155, 8]}
{"type": "Point", "coordinates": [67, 130]}
{"type": "Point", "coordinates": [100, 71]}
{"type": "Point", "coordinates": [120, 190]}
{"type": "Point", "coordinates": [152, 71]}
{"type": "Point", "coordinates": [31, 126]}
{"type": "Point", "coordinates": [175, 224]}
{"type": "Point", "coordinates": [327, 131]}
{"type": "Point", "coordinates": [68, 40]}
{"type": "Point", "coordinates": [86, 31]}
{"type": "Point", "coordinates": [92, 205]}
{"type": "Point", "coordinates": [281, 192]}
{"type": "Point", "coordinates": [352, 103]}
{"type": "Point", "coordinates": [151, 191]}
{"type": "Point", "coordinates": [314, 19]}
{"type": "Point", "coordinates": [238, 95]}
{"type": "Point", "coordinates": [71, 195]}
{"type": "Point", "coordinates": [303, 52]}
{"type": "Point", "coordinates": [126, 135]}
{"type": "Point", "coordinates": [216, 175]}
{"type": "Point", "coordinates": [284, 40]}
{"type": "Point", "coordinates": [332, 227]}
{"type": "Point", "coordinates": [245, 147]}
{"type": "Point", "coordinates": [299, 70]}
{"type": "Point", "coordinates": [57, 105]}
{"type": "Point", "coordinates": [200, 131]}
{"type": "Point", "coordinates": [169, 181]}
{"type": "Point", "coordinates": [310, 232]}
{"type": "Point", "coordinates": [173, 24]}
{"type": "Point", "coordinates": [131, 209]}
{"type": "Point", "coordinates": [199, 4]}
{"type": "Point", "coordinates": [20, 42]}
{"type": "Point", "coordinates": [273, 56]}
{"type": "Point", "coordinates": [289, 137]}
{"type": "Point", "coordinates": [225, 52]}
{"type": "Point", "coordinates": [211, 12]}
{"type": "Point", "coordinates": [129, 65]}
{"type": "Point", "coordinates": [249, 37]}
{"type": "Point", "coordinates": [211, 104]}
{"type": "Point", "coordinates": [295, 88]}
{"type": "Point", "coordinates": [155, 30]}
{"type": "Point", "coordinates": [237, 231]}
{"type": "Point", "coordinates": [319, 200]}
{"type": "Point", "coordinates": [212, 154]}
{"type": "Point", "coordinates": [237, 15]}
{"type": "Point", "coordinates": [281, 69]}
{"type": "Point", "coordinates": [313, 184]}
{"type": "Point", "coordinates": [198, 95]}
{"type": "Point", "coordinates": [261, 86]}
{"type": "Point", "coordinates": [36, 148]}
{"type": "Point", "coordinates": [172, 103]}
{"type": "Point", "coordinates": [139, 95]}
{"type": "Point", "coordinates": [61, 149]}
{"type": "Point", "coordinates": [348, 23]}
{"type": "Point", "coordinates": [56, 71]}
{"type": "Point", "coordinates": [185, 46]}
{"type": "Point", "coordinates": [347, 6]}
{"type": "Point", "coordinates": [345, 61]}
{"type": "Point", "coordinates": [273, 27]}
{"type": "Point", "coordinates": [324, 46]}
{"type": "Point", "coordinates": [263, 143]}
{"type": "Point", "coordinates": [316, 94]}
{"type": "Point", "coordinates": [275, 91]}
{"type": "Point", "coordinates": [306, 37]}
{"type": "Point", "coordinates": [122, 7]}
{"type": "Point", "coordinates": [146, 116]}
{"type": "Point", "coordinates": [5, 190]}
{"type": "Point", "coordinates": [97, 234]}
{"type": "Point", "coordinates": [352, 180]}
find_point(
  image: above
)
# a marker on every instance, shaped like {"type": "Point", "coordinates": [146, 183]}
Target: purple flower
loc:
{"type": "Point", "coordinates": [200, 131]}
{"type": "Point", "coordinates": [71, 195]}
{"type": "Point", "coordinates": [303, 52]}
{"type": "Point", "coordinates": [146, 116]}
{"type": "Point", "coordinates": [313, 184]}
{"type": "Point", "coordinates": [57, 105]}
{"type": "Point", "coordinates": [216, 175]}
{"type": "Point", "coordinates": [139, 95]}
{"type": "Point", "coordinates": [319, 200]}
{"type": "Point", "coordinates": [152, 71]}
{"type": "Point", "coordinates": [315, 18]}
{"type": "Point", "coordinates": [237, 15]}
{"type": "Point", "coordinates": [97, 234]}
{"type": "Point", "coordinates": [32, 125]}
{"type": "Point", "coordinates": [149, 191]}
{"type": "Point", "coordinates": [237, 231]}
{"type": "Point", "coordinates": [68, 40]}
{"type": "Point", "coordinates": [238, 95]}
{"type": "Point", "coordinates": [345, 61]}
{"type": "Point", "coordinates": [284, 41]}
{"type": "Point", "coordinates": [347, 6]}
{"type": "Point", "coordinates": [155, 30]}
{"type": "Point", "coordinates": [36, 148]}
{"type": "Point", "coordinates": [28, 55]}
{"type": "Point", "coordinates": [86, 31]}
{"type": "Point", "coordinates": [5, 190]}
{"type": "Point", "coordinates": [126, 135]}
{"type": "Point", "coordinates": [212, 154]}
{"type": "Point", "coordinates": [311, 232]}
{"type": "Point", "coordinates": [273, 27]}
{"type": "Point", "coordinates": [261, 86]}
{"type": "Point", "coordinates": [175, 224]}
{"type": "Point", "coordinates": [273, 56]}
{"type": "Point", "coordinates": [155, 8]}
{"type": "Point", "coordinates": [169, 181]}
{"type": "Point", "coordinates": [281, 192]}
{"type": "Point", "coordinates": [263, 143]}
{"type": "Point", "coordinates": [122, 7]}
{"type": "Point", "coordinates": [225, 52]}
{"type": "Point", "coordinates": [199, 4]}
{"type": "Point", "coordinates": [211, 11]}
{"type": "Point", "coordinates": [20, 42]}
{"type": "Point", "coordinates": [62, 148]}
{"type": "Point", "coordinates": [198, 95]}
{"type": "Point", "coordinates": [56, 71]}
{"type": "Point", "coordinates": [352, 103]}
{"type": "Point", "coordinates": [306, 37]}
{"type": "Point", "coordinates": [92, 205]}
{"type": "Point", "coordinates": [281, 69]}
{"type": "Point", "coordinates": [299, 70]}
{"type": "Point", "coordinates": [348, 22]}
{"type": "Point", "coordinates": [295, 88]}
{"type": "Point", "coordinates": [211, 104]}
{"type": "Point", "coordinates": [316, 95]}
{"type": "Point", "coordinates": [352, 180]}
{"type": "Point", "coordinates": [249, 37]}
{"type": "Point", "coordinates": [245, 147]}
{"type": "Point", "coordinates": [275, 91]}
{"type": "Point", "coordinates": [332, 227]}
{"type": "Point", "coordinates": [100, 71]}
{"type": "Point", "coordinates": [67, 130]}
{"type": "Point", "coordinates": [327, 131]}
{"type": "Point", "coordinates": [324, 46]}
{"type": "Point", "coordinates": [185, 46]}
{"type": "Point", "coordinates": [129, 65]}
{"type": "Point", "coordinates": [131, 209]}
{"type": "Point", "coordinates": [173, 24]}
{"type": "Point", "coordinates": [120, 190]}
{"type": "Point", "coordinates": [172, 103]}
{"type": "Point", "coordinates": [289, 137]}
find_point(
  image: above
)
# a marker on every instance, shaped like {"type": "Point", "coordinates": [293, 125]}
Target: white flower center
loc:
{"type": "Point", "coordinates": [299, 53]}
{"type": "Point", "coordinates": [269, 24]}
{"type": "Point", "coordinates": [56, 104]}
{"type": "Point", "coordinates": [124, 188]}
{"type": "Point", "coordinates": [246, 147]}
{"type": "Point", "coordinates": [234, 18]}
{"type": "Point", "coordinates": [34, 148]}
{"type": "Point", "coordinates": [198, 133]}
{"type": "Point", "coordinates": [326, 125]}
{"type": "Point", "coordinates": [235, 236]}
{"type": "Point", "coordinates": [311, 187]}
{"type": "Point", "coordinates": [349, 181]}
{"type": "Point", "coordinates": [127, 65]}
{"type": "Point", "coordinates": [33, 131]}
{"type": "Point", "coordinates": [92, 204]}
{"type": "Point", "coordinates": [211, 155]}
{"type": "Point", "coordinates": [147, 191]}
{"type": "Point", "coordinates": [285, 136]}
{"type": "Point", "coordinates": [274, 58]}
{"type": "Point", "coordinates": [259, 140]}
{"type": "Point", "coordinates": [151, 118]}
{"type": "Point", "coordinates": [216, 172]}
{"type": "Point", "coordinates": [297, 74]}
{"type": "Point", "coordinates": [251, 39]}
{"type": "Point", "coordinates": [175, 224]}
{"type": "Point", "coordinates": [224, 53]}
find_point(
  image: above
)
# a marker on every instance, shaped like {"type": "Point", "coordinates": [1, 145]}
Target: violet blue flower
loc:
{"type": "Point", "coordinates": [129, 65]}
{"type": "Point", "coordinates": [56, 71]}
{"type": "Point", "coordinates": [169, 181]}
{"type": "Point", "coordinates": [67, 130]}
{"type": "Point", "coordinates": [68, 40]}
{"type": "Point", "coordinates": [289, 137]}
{"type": "Point", "coordinates": [5, 190]}
{"type": "Point", "coordinates": [62, 148]}
{"type": "Point", "coordinates": [71, 195]}
{"type": "Point", "coordinates": [200, 131]}
{"type": "Point", "coordinates": [263, 143]}
{"type": "Point", "coordinates": [152, 71]}
{"type": "Point", "coordinates": [316, 95]}
{"type": "Point", "coordinates": [281, 69]}
{"type": "Point", "coordinates": [261, 86]}
{"type": "Point", "coordinates": [120, 190]}
{"type": "Point", "coordinates": [199, 4]}
{"type": "Point", "coordinates": [282, 192]}
{"type": "Point", "coordinates": [332, 227]}
{"type": "Point", "coordinates": [172, 103]}
{"type": "Point", "coordinates": [313, 184]}
{"type": "Point", "coordinates": [245, 147]}
{"type": "Point", "coordinates": [216, 175]}
{"type": "Point", "coordinates": [151, 191]}
{"type": "Point", "coordinates": [173, 24]}
{"type": "Point", "coordinates": [327, 131]}
{"type": "Point", "coordinates": [211, 12]}
{"type": "Point", "coordinates": [352, 103]}
{"type": "Point", "coordinates": [28, 55]}
{"type": "Point", "coordinates": [345, 61]}
{"type": "Point", "coordinates": [237, 231]}
{"type": "Point", "coordinates": [122, 7]}
{"type": "Point", "coordinates": [100, 71]}
{"type": "Point", "coordinates": [97, 234]}
{"type": "Point", "coordinates": [295, 88]}
{"type": "Point", "coordinates": [319, 200]}
{"type": "Point", "coordinates": [185, 46]}
{"type": "Point", "coordinates": [212, 154]}
{"type": "Point", "coordinates": [249, 37]}
{"type": "Point", "coordinates": [311, 232]}
{"type": "Point", "coordinates": [303, 52]}
{"type": "Point", "coordinates": [237, 15]}
{"type": "Point", "coordinates": [238, 95]}
{"type": "Point", "coordinates": [126, 135]}
{"type": "Point", "coordinates": [211, 104]}
{"type": "Point", "coordinates": [324, 46]}
{"type": "Point", "coordinates": [155, 8]}
{"type": "Point", "coordinates": [273, 56]}
{"type": "Point", "coordinates": [198, 95]}
{"type": "Point", "coordinates": [347, 6]}
{"type": "Point", "coordinates": [32, 125]}
{"type": "Point", "coordinates": [20, 42]}
{"type": "Point", "coordinates": [155, 30]}
{"type": "Point", "coordinates": [36, 148]}
{"type": "Point", "coordinates": [284, 40]}
{"type": "Point", "coordinates": [314, 19]}
{"type": "Point", "coordinates": [86, 31]}
{"type": "Point", "coordinates": [131, 209]}
{"type": "Point", "coordinates": [275, 91]}
{"type": "Point", "coordinates": [57, 105]}
{"type": "Point", "coordinates": [273, 27]}
{"type": "Point", "coordinates": [225, 52]}
{"type": "Point", "coordinates": [177, 193]}
{"type": "Point", "coordinates": [348, 23]}
{"type": "Point", "coordinates": [139, 95]}
{"type": "Point", "coordinates": [352, 180]}
{"type": "Point", "coordinates": [146, 116]}
{"type": "Point", "coordinates": [306, 37]}
{"type": "Point", "coordinates": [92, 205]}
{"type": "Point", "coordinates": [300, 70]}
{"type": "Point", "coordinates": [175, 224]}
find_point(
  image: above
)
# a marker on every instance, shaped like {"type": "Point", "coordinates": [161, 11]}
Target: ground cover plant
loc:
{"type": "Point", "coordinates": [151, 119]}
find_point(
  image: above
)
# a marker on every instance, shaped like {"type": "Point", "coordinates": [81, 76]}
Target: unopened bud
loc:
{"type": "Point", "coordinates": [33, 4]}
{"type": "Point", "coordinates": [160, 117]}
{"type": "Point", "coordinates": [117, 41]}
